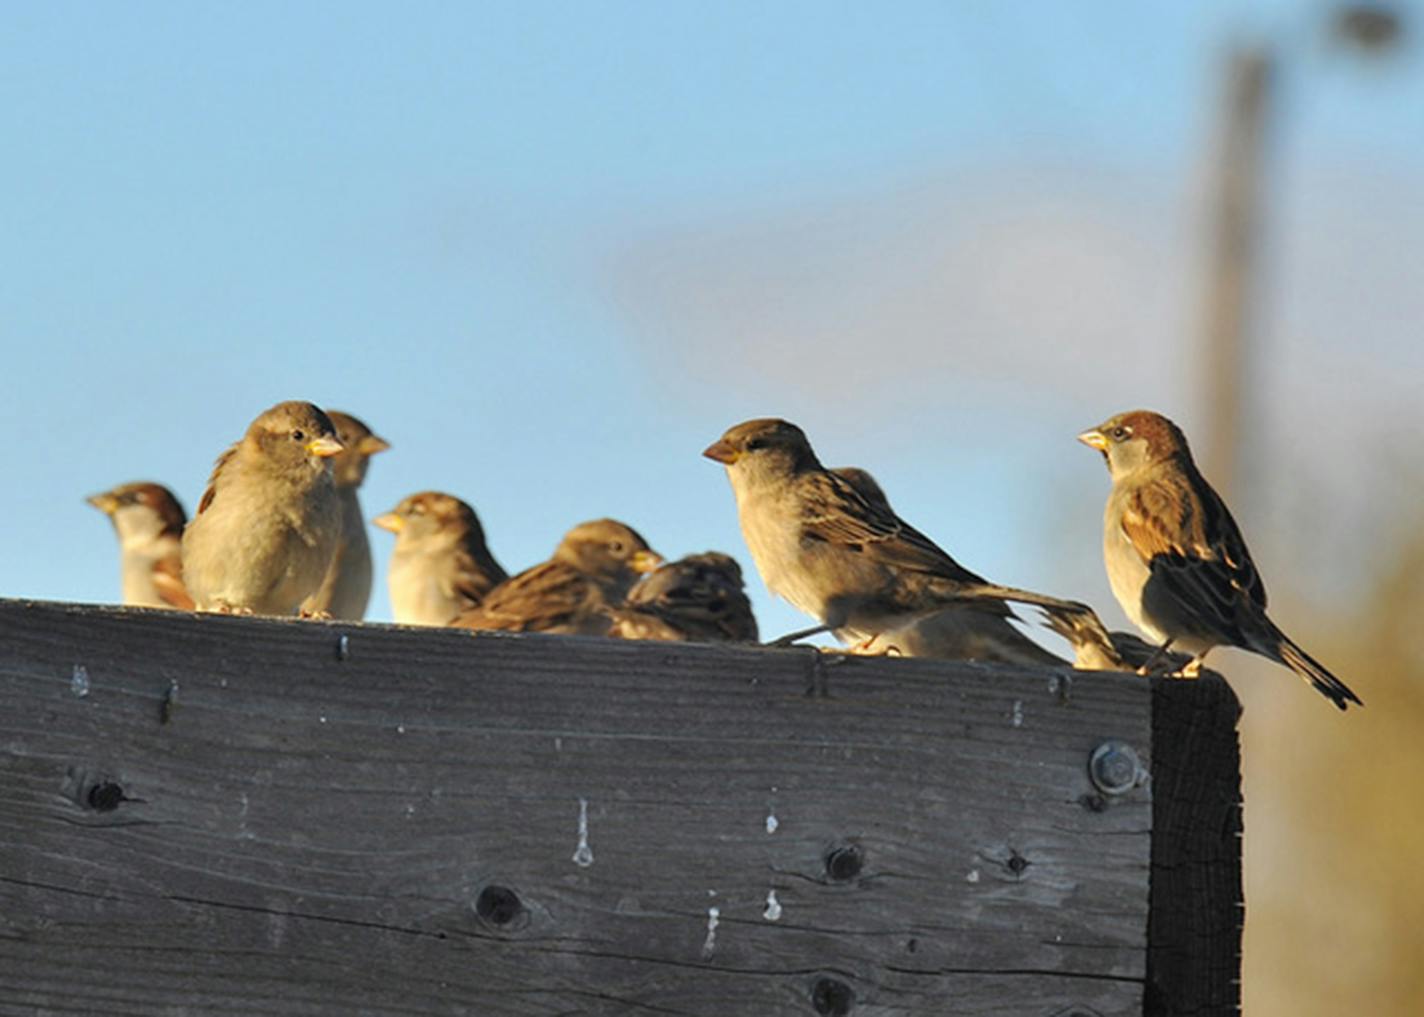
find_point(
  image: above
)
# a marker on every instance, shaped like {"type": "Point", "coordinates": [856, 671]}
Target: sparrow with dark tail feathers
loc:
{"type": "Point", "coordinates": [346, 590]}
{"type": "Point", "coordinates": [573, 592]}
{"type": "Point", "coordinates": [700, 598]}
{"type": "Point", "coordinates": [149, 523]}
{"type": "Point", "coordinates": [270, 519]}
{"type": "Point", "coordinates": [1175, 559]}
{"type": "Point", "coordinates": [440, 565]}
{"type": "Point", "coordinates": [841, 554]}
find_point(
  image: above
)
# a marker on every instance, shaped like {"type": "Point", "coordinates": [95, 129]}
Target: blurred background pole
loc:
{"type": "Point", "coordinates": [1231, 282]}
{"type": "Point", "coordinates": [1369, 29]}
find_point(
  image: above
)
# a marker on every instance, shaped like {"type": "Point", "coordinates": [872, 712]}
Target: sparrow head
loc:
{"type": "Point", "coordinates": [348, 467]}
{"type": "Point", "coordinates": [865, 485]}
{"type": "Point", "coordinates": [767, 446]}
{"type": "Point", "coordinates": [429, 514]}
{"type": "Point", "coordinates": [1136, 439]}
{"type": "Point", "coordinates": [295, 438]}
{"type": "Point", "coordinates": [606, 548]}
{"type": "Point", "coordinates": [141, 510]}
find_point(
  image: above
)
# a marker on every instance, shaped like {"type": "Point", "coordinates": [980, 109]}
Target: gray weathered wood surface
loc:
{"type": "Point", "coordinates": [241, 816]}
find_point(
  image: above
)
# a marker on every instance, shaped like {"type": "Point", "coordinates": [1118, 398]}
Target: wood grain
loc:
{"type": "Point", "coordinates": [251, 816]}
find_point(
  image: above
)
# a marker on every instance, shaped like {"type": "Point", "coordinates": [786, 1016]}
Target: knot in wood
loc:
{"type": "Point", "coordinates": [831, 997]}
{"type": "Point", "coordinates": [498, 905]}
{"type": "Point", "coordinates": [844, 862]}
{"type": "Point", "coordinates": [104, 797]}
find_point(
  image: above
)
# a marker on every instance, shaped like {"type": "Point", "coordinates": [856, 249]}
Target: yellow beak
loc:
{"type": "Point", "coordinates": [389, 521]}
{"type": "Point", "coordinates": [1094, 438]}
{"type": "Point", "coordinates": [105, 503]}
{"type": "Point", "coordinates": [645, 561]}
{"type": "Point", "coordinates": [324, 447]}
{"type": "Point", "coordinates": [370, 445]}
{"type": "Point", "coordinates": [721, 451]}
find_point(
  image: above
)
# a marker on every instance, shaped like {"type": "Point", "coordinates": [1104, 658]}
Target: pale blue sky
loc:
{"type": "Point", "coordinates": [551, 251]}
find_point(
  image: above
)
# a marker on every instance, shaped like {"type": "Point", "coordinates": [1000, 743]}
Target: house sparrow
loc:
{"type": "Point", "coordinates": [346, 589]}
{"type": "Point", "coordinates": [1175, 558]}
{"type": "Point", "coordinates": [700, 598]}
{"type": "Point", "coordinates": [270, 518]}
{"type": "Point", "coordinates": [834, 549]}
{"type": "Point", "coordinates": [149, 523]}
{"type": "Point", "coordinates": [440, 565]}
{"type": "Point", "coordinates": [953, 633]}
{"type": "Point", "coordinates": [591, 572]}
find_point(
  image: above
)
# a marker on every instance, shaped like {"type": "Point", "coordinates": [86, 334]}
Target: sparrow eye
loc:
{"type": "Point", "coordinates": [299, 435]}
{"type": "Point", "coordinates": [1119, 433]}
{"type": "Point", "coordinates": [616, 546]}
{"type": "Point", "coordinates": [418, 508]}
{"type": "Point", "coordinates": [755, 444]}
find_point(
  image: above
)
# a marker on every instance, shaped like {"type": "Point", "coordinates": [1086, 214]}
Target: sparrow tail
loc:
{"type": "Point", "coordinates": [1303, 664]}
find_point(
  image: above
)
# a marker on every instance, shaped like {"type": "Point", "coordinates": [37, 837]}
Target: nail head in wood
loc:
{"type": "Point", "coordinates": [1114, 768]}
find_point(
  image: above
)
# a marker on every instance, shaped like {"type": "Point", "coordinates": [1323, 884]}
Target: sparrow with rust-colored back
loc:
{"type": "Point", "coordinates": [1175, 558]}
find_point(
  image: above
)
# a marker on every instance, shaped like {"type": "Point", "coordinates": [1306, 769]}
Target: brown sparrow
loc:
{"type": "Point", "coordinates": [700, 598]}
{"type": "Point", "coordinates": [440, 565]}
{"type": "Point", "coordinates": [591, 572]}
{"type": "Point", "coordinates": [844, 557]}
{"type": "Point", "coordinates": [270, 518]}
{"type": "Point", "coordinates": [149, 523]}
{"type": "Point", "coordinates": [1175, 559]}
{"type": "Point", "coordinates": [346, 589]}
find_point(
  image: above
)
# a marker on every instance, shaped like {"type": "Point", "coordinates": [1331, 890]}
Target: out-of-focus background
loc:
{"type": "Point", "coordinates": [551, 251]}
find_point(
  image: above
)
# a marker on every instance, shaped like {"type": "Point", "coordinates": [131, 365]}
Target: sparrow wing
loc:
{"type": "Point", "coordinates": [476, 572]}
{"type": "Point", "coordinates": [1184, 533]}
{"type": "Point", "coordinates": [547, 596]}
{"type": "Point", "coordinates": [211, 490]}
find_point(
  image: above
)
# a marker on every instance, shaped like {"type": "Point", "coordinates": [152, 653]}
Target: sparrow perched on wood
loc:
{"type": "Point", "coordinates": [591, 572]}
{"type": "Point", "coordinates": [149, 522]}
{"type": "Point", "coordinates": [841, 554]}
{"type": "Point", "coordinates": [346, 589]}
{"type": "Point", "coordinates": [1175, 559]}
{"type": "Point", "coordinates": [270, 518]}
{"type": "Point", "coordinates": [700, 598]}
{"type": "Point", "coordinates": [440, 565]}
{"type": "Point", "coordinates": [953, 633]}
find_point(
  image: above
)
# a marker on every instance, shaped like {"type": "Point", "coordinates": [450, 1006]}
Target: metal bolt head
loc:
{"type": "Point", "coordinates": [1114, 768]}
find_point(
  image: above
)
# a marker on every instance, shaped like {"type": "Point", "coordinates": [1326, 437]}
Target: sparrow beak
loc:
{"type": "Point", "coordinates": [105, 503]}
{"type": "Point", "coordinates": [324, 447]}
{"type": "Point", "coordinates": [389, 521]}
{"type": "Point", "coordinates": [370, 445]}
{"type": "Point", "coordinates": [644, 562]}
{"type": "Point", "coordinates": [1094, 438]}
{"type": "Point", "coordinates": [721, 451]}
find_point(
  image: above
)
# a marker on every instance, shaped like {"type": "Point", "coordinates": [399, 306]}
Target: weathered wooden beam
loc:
{"type": "Point", "coordinates": [205, 815]}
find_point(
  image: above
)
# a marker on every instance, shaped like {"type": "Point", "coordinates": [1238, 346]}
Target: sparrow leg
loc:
{"type": "Point", "coordinates": [315, 615]}
{"type": "Point", "coordinates": [1193, 667]}
{"type": "Point", "coordinates": [792, 637]}
{"type": "Point", "coordinates": [1157, 655]}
